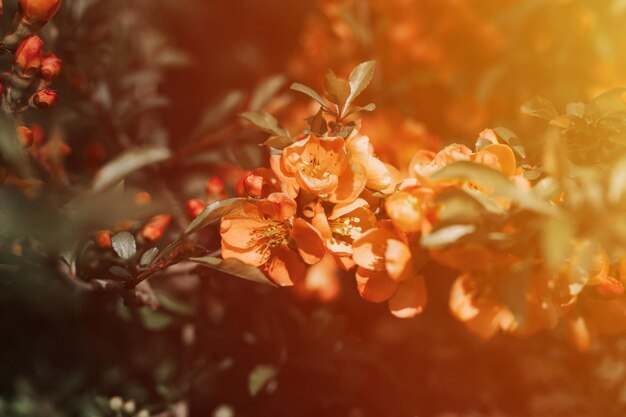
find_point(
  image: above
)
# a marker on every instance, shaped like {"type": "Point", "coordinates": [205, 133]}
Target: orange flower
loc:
{"type": "Point", "coordinates": [385, 271]}
{"type": "Point", "coordinates": [379, 176]}
{"type": "Point", "coordinates": [497, 156]}
{"type": "Point", "coordinates": [345, 223]}
{"type": "Point", "coordinates": [410, 208]}
{"type": "Point", "coordinates": [424, 163]}
{"type": "Point", "coordinates": [321, 166]}
{"type": "Point", "coordinates": [260, 235]}
{"type": "Point", "coordinates": [479, 301]}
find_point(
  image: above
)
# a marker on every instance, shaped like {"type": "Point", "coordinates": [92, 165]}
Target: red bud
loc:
{"type": "Point", "coordinates": [50, 67]}
{"type": "Point", "coordinates": [194, 207]}
{"type": "Point", "coordinates": [142, 198]}
{"type": "Point", "coordinates": [214, 186]}
{"type": "Point", "coordinates": [154, 229]}
{"type": "Point", "coordinates": [28, 57]}
{"type": "Point", "coordinates": [39, 12]}
{"type": "Point", "coordinates": [25, 136]}
{"type": "Point", "coordinates": [43, 99]}
{"type": "Point", "coordinates": [103, 239]}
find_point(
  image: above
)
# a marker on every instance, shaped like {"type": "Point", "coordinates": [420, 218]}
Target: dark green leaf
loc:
{"type": "Point", "coordinates": [234, 267]}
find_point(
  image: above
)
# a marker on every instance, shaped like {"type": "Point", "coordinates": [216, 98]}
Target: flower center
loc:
{"type": "Point", "coordinates": [346, 227]}
{"type": "Point", "coordinates": [272, 235]}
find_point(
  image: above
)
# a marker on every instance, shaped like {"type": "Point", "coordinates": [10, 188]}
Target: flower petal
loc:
{"type": "Point", "coordinates": [285, 267]}
{"type": "Point", "coordinates": [375, 286]}
{"type": "Point", "coordinates": [409, 299]}
{"type": "Point", "coordinates": [308, 240]}
{"type": "Point", "coordinates": [368, 251]}
{"type": "Point", "coordinates": [397, 259]}
{"type": "Point", "coordinates": [254, 256]}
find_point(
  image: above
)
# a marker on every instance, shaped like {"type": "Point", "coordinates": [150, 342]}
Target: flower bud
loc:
{"type": "Point", "coordinates": [28, 57]}
{"type": "Point", "coordinates": [154, 229]}
{"type": "Point", "coordinates": [38, 12]}
{"type": "Point", "coordinates": [142, 198]}
{"type": "Point", "coordinates": [50, 67]}
{"type": "Point", "coordinates": [116, 403]}
{"type": "Point", "coordinates": [103, 239]}
{"type": "Point", "coordinates": [261, 182]}
{"type": "Point", "coordinates": [214, 186]}
{"type": "Point", "coordinates": [43, 99]}
{"type": "Point", "coordinates": [194, 207]}
{"type": "Point", "coordinates": [25, 136]}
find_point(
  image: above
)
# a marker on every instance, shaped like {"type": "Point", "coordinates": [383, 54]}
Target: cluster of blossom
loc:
{"type": "Point", "coordinates": [329, 202]}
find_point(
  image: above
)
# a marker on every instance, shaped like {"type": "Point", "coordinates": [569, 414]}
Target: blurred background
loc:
{"type": "Point", "coordinates": [446, 69]}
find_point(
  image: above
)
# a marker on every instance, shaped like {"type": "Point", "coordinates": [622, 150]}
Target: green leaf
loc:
{"type": "Point", "coordinates": [497, 182]}
{"type": "Point", "coordinates": [369, 107]}
{"type": "Point", "coordinates": [617, 182]}
{"type": "Point", "coordinates": [608, 103]}
{"type": "Point", "coordinates": [337, 90]}
{"type": "Point", "coordinates": [309, 92]}
{"type": "Point", "coordinates": [260, 376]}
{"type": "Point", "coordinates": [318, 123]}
{"type": "Point", "coordinates": [265, 122]}
{"type": "Point", "coordinates": [556, 235]}
{"type": "Point", "coordinates": [360, 77]}
{"type": "Point", "coordinates": [174, 305]}
{"type": "Point", "coordinates": [126, 163]}
{"type": "Point", "coordinates": [118, 271]}
{"type": "Point", "coordinates": [266, 91]}
{"type": "Point", "coordinates": [213, 212]}
{"type": "Point", "coordinates": [234, 267]}
{"type": "Point", "coordinates": [512, 140]}
{"type": "Point", "coordinates": [155, 320]}
{"type": "Point", "coordinates": [447, 235]}
{"type": "Point", "coordinates": [541, 108]}
{"type": "Point", "coordinates": [514, 290]}
{"type": "Point", "coordinates": [564, 122]}
{"type": "Point", "coordinates": [124, 245]}
{"type": "Point", "coordinates": [278, 142]}
{"type": "Point", "coordinates": [210, 214]}
{"type": "Point", "coordinates": [575, 109]}
{"type": "Point", "coordinates": [148, 256]}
